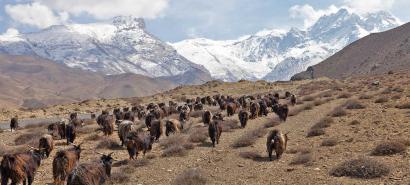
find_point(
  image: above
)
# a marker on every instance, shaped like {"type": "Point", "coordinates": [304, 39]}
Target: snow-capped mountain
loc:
{"type": "Point", "coordinates": [122, 46]}
{"type": "Point", "coordinates": [277, 55]}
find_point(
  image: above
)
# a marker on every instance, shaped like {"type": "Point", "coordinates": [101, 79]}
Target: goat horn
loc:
{"type": "Point", "coordinates": [99, 153]}
{"type": "Point", "coordinates": [110, 154]}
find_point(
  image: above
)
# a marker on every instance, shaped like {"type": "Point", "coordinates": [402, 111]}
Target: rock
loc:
{"type": "Point", "coordinates": [240, 165]}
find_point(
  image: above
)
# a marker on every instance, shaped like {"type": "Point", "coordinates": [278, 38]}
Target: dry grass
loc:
{"type": "Point", "coordinates": [196, 114]}
{"type": "Point", "coordinates": [31, 138]}
{"type": "Point", "coordinates": [329, 142]}
{"type": "Point", "coordinates": [93, 137]}
{"type": "Point", "coordinates": [271, 123]}
{"type": "Point", "coordinates": [361, 168]}
{"type": "Point", "coordinates": [403, 106]}
{"type": "Point", "coordinates": [319, 102]}
{"type": "Point", "coordinates": [306, 159]}
{"type": "Point", "coordinates": [108, 143]}
{"type": "Point", "coordinates": [229, 125]}
{"type": "Point", "coordinates": [175, 146]}
{"type": "Point", "coordinates": [354, 104]}
{"type": "Point", "coordinates": [344, 95]}
{"type": "Point", "coordinates": [389, 148]}
{"type": "Point", "coordinates": [198, 135]}
{"type": "Point", "coordinates": [396, 97]}
{"type": "Point", "coordinates": [365, 97]}
{"type": "Point", "coordinates": [249, 138]}
{"type": "Point", "coordinates": [323, 123]}
{"type": "Point", "coordinates": [381, 100]}
{"type": "Point", "coordinates": [308, 98]}
{"type": "Point", "coordinates": [118, 177]}
{"type": "Point", "coordinates": [250, 155]}
{"type": "Point", "coordinates": [190, 176]}
{"type": "Point", "coordinates": [338, 112]}
{"type": "Point", "coordinates": [308, 106]}
{"type": "Point", "coordinates": [315, 132]}
{"type": "Point", "coordinates": [87, 129]}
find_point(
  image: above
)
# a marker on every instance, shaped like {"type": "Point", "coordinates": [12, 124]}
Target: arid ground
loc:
{"type": "Point", "coordinates": [333, 122]}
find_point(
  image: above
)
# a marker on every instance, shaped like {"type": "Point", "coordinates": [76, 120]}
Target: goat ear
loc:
{"type": "Point", "coordinates": [110, 154]}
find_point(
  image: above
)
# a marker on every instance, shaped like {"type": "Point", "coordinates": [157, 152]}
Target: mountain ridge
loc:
{"type": "Point", "coordinates": [277, 55]}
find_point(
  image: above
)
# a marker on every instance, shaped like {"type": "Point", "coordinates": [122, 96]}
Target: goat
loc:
{"type": "Point", "coordinates": [46, 144]}
{"type": "Point", "coordinates": [243, 118]}
{"type": "Point", "coordinates": [137, 141]}
{"type": "Point", "coordinates": [14, 123]}
{"type": "Point", "coordinates": [20, 167]}
{"type": "Point", "coordinates": [281, 110]}
{"type": "Point", "coordinates": [70, 133]}
{"type": "Point", "coordinates": [156, 129]}
{"type": "Point", "coordinates": [215, 131]}
{"type": "Point", "coordinates": [64, 162]}
{"type": "Point", "coordinates": [94, 173]}
{"type": "Point", "coordinates": [172, 126]}
{"type": "Point", "coordinates": [276, 141]}
{"type": "Point", "coordinates": [206, 117]}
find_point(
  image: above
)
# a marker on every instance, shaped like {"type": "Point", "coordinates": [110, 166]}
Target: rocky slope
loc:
{"type": "Point", "coordinates": [375, 54]}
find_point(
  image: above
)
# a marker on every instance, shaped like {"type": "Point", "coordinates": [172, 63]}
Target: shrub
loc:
{"type": "Point", "coordinates": [175, 145]}
{"type": "Point", "coordinates": [118, 177]}
{"type": "Point", "coordinates": [365, 97]}
{"type": "Point", "coordinates": [306, 159]}
{"type": "Point", "coordinates": [403, 106]}
{"type": "Point", "coordinates": [190, 177]}
{"type": "Point", "coordinates": [196, 114]}
{"type": "Point", "coordinates": [318, 102]}
{"type": "Point", "coordinates": [323, 123]}
{"type": "Point", "coordinates": [229, 125]}
{"type": "Point", "coordinates": [353, 104]}
{"type": "Point", "coordinates": [389, 148]}
{"type": "Point", "coordinates": [249, 138]}
{"type": "Point", "coordinates": [250, 155]}
{"type": "Point", "coordinates": [396, 97]}
{"type": "Point", "coordinates": [344, 95]}
{"type": "Point", "coordinates": [381, 100]}
{"type": "Point", "coordinates": [315, 132]}
{"type": "Point", "coordinates": [308, 106]}
{"type": "Point", "coordinates": [361, 168]}
{"type": "Point", "coordinates": [338, 112]}
{"type": "Point", "coordinates": [198, 135]}
{"type": "Point", "coordinates": [354, 122]}
{"type": "Point", "coordinates": [174, 151]}
{"type": "Point", "coordinates": [308, 98]}
{"type": "Point", "coordinates": [295, 111]}
{"type": "Point", "coordinates": [271, 123]}
{"type": "Point", "coordinates": [108, 143]}
{"type": "Point", "coordinates": [93, 137]}
{"type": "Point", "coordinates": [31, 138]}
{"type": "Point", "coordinates": [329, 142]}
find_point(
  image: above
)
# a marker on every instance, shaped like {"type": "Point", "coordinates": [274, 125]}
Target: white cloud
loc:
{"type": "Point", "coordinates": [35, 14]}
{"type": "Point", "coordinates": [11, 32]}
{"type": "Point", "coordinates": [310, 15]}
{"type": "Point", "coordinates": [368, 6]}
{"type": "Point", "coordinates": [106, 9]}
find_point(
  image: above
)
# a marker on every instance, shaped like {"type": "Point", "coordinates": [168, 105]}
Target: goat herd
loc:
{"type": "Point", "coordinates": [21, 167]}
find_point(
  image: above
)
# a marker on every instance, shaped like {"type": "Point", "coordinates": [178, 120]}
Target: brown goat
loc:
{"type": "Point", "coordinates": [14, 123]}
{"type": "Point", "coordinates": [276, 141]}
{"type": "Point", "coordinates": [231, 109]}
{"type": "Point", "coordinates": [206, 117]}
{"type": "Point", "coordinates": [70, 133]}
{"type": "Point", "coordinates": [243, 118]}
{"type": "Point", "coordinates": [215, 131]}
{"type": "Point", "coordinates": [108, 125]}
{"type": "Point", "coordinates": [281, 110]}
{"type": "Point", "coordinates": [124, 128]}
{"type": "Point", "coordinates": [93, 173]}
{"type": "Point", "coordinates": [172, 126]}
{"type": "Point", "coordinates": [64, 162]}
{"type": "Point", "coordinates": [20, 167]}
{"type": "Point", "coordinates": [46, 144]}
{"type": "Point", "coordinates": [57, 130]}
{"type": "Point", "coordinates": [156, 129]}
{"type": "Point", "coordinates": [138, 141]}
{"type": "Point", "coordinates": [254, 110]}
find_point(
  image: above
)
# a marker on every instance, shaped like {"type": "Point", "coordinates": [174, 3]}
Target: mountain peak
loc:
{"type": "Point", "coordinates": [128, 22]}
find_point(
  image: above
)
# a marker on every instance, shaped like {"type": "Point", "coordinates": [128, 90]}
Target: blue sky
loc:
{"type": "Point", "coordinates": [175, 20]}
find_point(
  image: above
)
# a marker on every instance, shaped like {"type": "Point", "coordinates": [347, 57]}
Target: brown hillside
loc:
{"type": "Point", "coordinates": [32, 82]}
{"type": "Point", "coordinates": [375, 54]}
